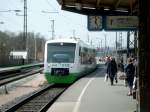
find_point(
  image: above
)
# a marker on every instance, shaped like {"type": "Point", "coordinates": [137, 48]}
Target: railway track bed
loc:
{"type": "Point", "coordinates": [37, 101]}
{"type": "Point", "coordinates": [14, 77]}
{"type": "Point", "coordinates": [20, 89]}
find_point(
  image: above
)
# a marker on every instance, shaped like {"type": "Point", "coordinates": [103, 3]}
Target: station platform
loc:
{"type": "Point", "coordinates": [92, 94]}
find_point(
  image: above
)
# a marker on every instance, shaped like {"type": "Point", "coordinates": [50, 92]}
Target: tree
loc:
{"type": "Point", "coordinates": [14, 42]}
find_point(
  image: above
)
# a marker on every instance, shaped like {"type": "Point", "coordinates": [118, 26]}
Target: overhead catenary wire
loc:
{"type": "Point", "coordinates": [70, 20]}
{"type": "Point", "coordinates": [12, 20]}
{"type": "Point", "coordinates": [67, 20]}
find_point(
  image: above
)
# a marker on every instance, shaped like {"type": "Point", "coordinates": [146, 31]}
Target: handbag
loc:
{"type": "Point", "coordinates": [122, 76]}
{"type": "Point", "coordinates": [106, 77]}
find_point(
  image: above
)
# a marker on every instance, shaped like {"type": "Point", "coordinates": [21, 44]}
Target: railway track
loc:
{"type": "Point", "coordinates": [8, 78]}
{"type": "Point", "coordinates": [39, 101]}
{"type": "Point", "coordinates": [13, 71]}
{"type": "Point", "coordinates": [6, 75]}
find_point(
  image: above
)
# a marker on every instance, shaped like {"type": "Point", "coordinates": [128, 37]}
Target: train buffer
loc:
{"type": "Point", "coordinates": [92, 94]}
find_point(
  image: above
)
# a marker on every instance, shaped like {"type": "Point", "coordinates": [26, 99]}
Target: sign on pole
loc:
{"type": "Point", "coordinates": [121, 23]}
{"type": "Point", "coordinates": [112, 23]}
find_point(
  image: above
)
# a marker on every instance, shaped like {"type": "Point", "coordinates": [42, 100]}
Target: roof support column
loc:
{"type": "Point", "coordinates": [144, 56]}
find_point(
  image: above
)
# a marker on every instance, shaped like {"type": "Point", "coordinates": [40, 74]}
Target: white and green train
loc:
{"type": "Point", "coordinates": [67, 59]}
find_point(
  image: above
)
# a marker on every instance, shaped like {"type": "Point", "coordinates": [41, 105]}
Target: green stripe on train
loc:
{"type": "Point", "coordinates": [61, 79]}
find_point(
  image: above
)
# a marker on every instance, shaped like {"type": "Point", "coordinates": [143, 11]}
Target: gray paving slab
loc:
{"type": "Point", "coordinates": [92, 94]}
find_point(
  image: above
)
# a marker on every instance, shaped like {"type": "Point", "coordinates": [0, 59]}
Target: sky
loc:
{"type": "Point", "coordinates": [64, 22]}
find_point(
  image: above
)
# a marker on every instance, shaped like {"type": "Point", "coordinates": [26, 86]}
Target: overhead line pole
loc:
{"type": "Point", "coordinates": [105, 44]}
{"type": "Point", "coordinates": [88, 38]}
{"type": "Point", "coordinates": [101, 44]}
{"type": "Point", "coordinates": [25, 28]}
{"type": "Point", "coordinates": [53, 30]}
{"type": "Point", "coordinates": [74, 34]}
{"type": "Point", "coordinates": [116, 47]}
{"type": "Point", "coordinates": [52, 26]}
{"type": "Point", "coordinates": [25, 25]}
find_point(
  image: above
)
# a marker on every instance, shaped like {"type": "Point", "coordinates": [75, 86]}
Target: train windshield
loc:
{"type": "Point", "coordinates": [61, 52]}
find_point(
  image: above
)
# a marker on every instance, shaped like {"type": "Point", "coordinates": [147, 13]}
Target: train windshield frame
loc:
{"type": "Point", "coordinates": [61, 52]}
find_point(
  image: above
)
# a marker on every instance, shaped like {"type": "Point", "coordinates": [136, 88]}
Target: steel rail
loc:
{"type": "Point", "coordinates": [5, 71]}
{"type": "Point", "coordinates": [19, 72]}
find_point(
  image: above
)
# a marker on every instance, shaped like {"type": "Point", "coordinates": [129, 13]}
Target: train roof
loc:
{"type": "Point", "coordinates": [76, 41]}
{"type": "Point", "coordinates": [63, 40]}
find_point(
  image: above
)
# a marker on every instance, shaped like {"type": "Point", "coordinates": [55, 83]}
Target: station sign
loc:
{"type": "Point", "coordinates": [112, 23]}
{"type": "Point", "coordinates": [121, 23]}
{"type": "Point", "coordinates": [95, 23]}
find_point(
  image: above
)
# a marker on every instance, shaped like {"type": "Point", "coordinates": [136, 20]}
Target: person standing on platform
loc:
{"type": "Point", "coordinates": [115, 69]}
{"type": "Point", "coordinates": [107, 59]}
{"type": "Point", "coordinates": [112, 70]}
{"type": "Point", "coordinates": [130, 70]}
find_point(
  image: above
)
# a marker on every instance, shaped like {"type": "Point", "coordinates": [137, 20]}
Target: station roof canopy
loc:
{"type": "Point", "coordinates": [102, 7]}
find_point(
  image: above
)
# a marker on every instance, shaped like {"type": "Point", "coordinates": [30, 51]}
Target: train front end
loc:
{"type": "Point", "coordinates": [60, 62]}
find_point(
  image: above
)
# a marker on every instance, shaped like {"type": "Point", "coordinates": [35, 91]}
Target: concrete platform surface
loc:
{"type": "Point", "coordinates": [92, 94]}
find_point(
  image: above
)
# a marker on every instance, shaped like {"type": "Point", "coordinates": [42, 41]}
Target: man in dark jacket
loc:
{"type": "Point", "coordinates": [111, 70]}
{"type": "Point", "coordinates": [129, 70]}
